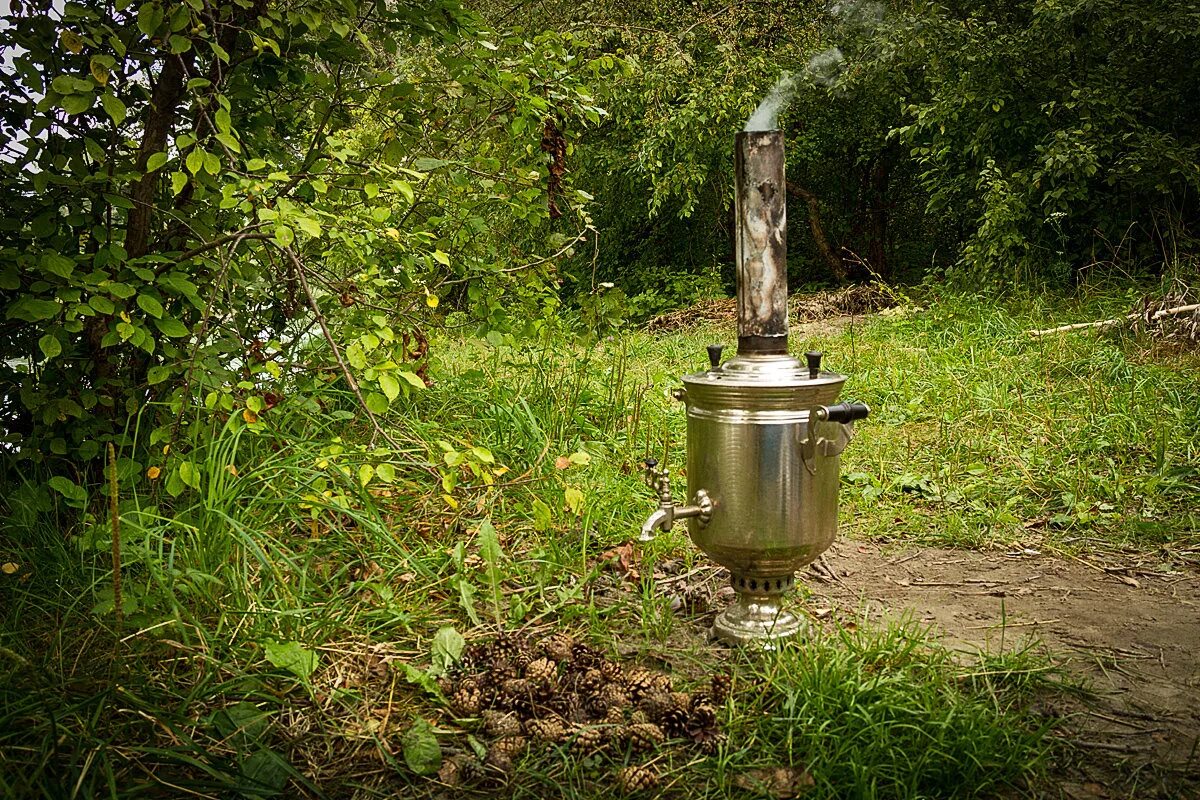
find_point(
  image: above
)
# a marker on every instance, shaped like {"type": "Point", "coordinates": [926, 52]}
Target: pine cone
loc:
{"type": "Point", "coordinates": [656, 704]}
{"type": "Point", "coordinates": [612, 671]}
{"type": "Point", "coordinates": [642, 682]}
{"type": "Point", "coordinates": [636, 778]}
{"type": "Point", "coordinates": [709, 741]}
{"type": "Point", "coordinates": [584, 656]}
{"type": "Point", "coordinates": [460, 770]}
{"type": "Point", "coordinates": [674, 722]}
{"type": "Point", "coordinates": [589, 682]}
{"type": "Point", "coordinates": [550, 730]}
{"type": "Point", "coordinates": [643, 736]}
{"type": "Point", "coordinates": [607, 697]}
{"type": "Point", "coordinates": [590, 739]}
{"type": "Point", "coordinates": [721, 685]}
{"type": "Point", "coordinates": [638, 716]}
{"type": "Point", "coordinates": [541, 670]}
{"type": "Point", "coordinates": [467, 699]}
{"type": "Point", "coordinates": [681, 700]}
{"type": "Point", "coordinates": [498, 724]}
{"type": "Point", "coordinates": [557, 647]}
{"type": "Point", "coordinates": [614, 716]}
{"type": "Point", "coordinates": [504, 751]}
{"type": "Point", "coordinates": [703, 716]}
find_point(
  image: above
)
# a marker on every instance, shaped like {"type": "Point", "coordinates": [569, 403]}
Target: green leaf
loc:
{"type": "Point", "coordinates": [157, 374]}
{"type": "Point", "coordinates": [113, 107]}
{"type": "Point", "coordinates": [75, 494]}
{"type": "Point", "coordinates": [77, 103]}
{"type": "Point", "coordinates": [178, 181]}
{"type": "Point", "coordinates": [31, 309]}
{"type": "Point", "coordinates": [376, 403]}
{"type": "Point", "coordinates": [541, 516]}
{"type": "Point", "coordinates": [101, 304]}
{"type": "Point", "coordinates": [422, 753]}
{"type": "Point", "coordinates": [386, 473]}
{"type": "Point", "coordinates": [292, 656]}
{"type": "Point", "coordinates": [446, 649]}
{"type": "Point", "coordinates": [50, 345]}
{"type": "Point", "coordinates": [195, 160]}
{"type": "Point", "coordinates": [57, 264]}
{"type": "Point", "coordinates": [150, 16]}
{"type": "Point", "coordinates": [169, 326]}
{"type": "Point", "coordinates": [284, 235]}
{"type": "Point", "coordinates": [309, 226]}
{"type": "Point", "coordinates": [365, 473]}
{"type": "Point", "coordinates": [412, 378]}
{"type": "Point", "coordinates": [180, 44]}
{"type": "Point", "coordinates": [230, 142]}
{"type": "Point", "coordinates": [390, 386]}
{"type": "Point", "coordinates": [150, 305]}
{"type": "Point", "coordinates": [189, 474]}
{"type": "Point", "coordinates": [441, 258]}
{"type": "Point", "coordinates": [573, 499]}
{"type": "Point", "coordinates": [156, 161]}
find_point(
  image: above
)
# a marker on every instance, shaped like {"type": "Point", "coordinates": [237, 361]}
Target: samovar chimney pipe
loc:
{"type": "Point", "coordinates": [760, 202]}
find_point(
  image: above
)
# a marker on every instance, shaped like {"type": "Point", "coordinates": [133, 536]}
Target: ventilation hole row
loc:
{"type": "Point", "coordinates": [753, 584]}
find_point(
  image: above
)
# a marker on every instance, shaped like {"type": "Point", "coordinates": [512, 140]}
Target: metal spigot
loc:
{"type": "Point", "coordinates": [668, 511]}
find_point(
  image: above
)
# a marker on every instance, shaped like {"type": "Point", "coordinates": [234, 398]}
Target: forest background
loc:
{"type": "Point", "coordinates": [267, 221]}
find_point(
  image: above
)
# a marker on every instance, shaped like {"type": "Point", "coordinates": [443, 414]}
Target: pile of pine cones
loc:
{"type": "Point", "coordinates": [559, 692]}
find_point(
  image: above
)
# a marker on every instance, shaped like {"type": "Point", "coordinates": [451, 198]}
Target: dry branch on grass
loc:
{"type": "Point", "coordinates": [1175, 315]}
{"type": "Point", "coordinates": [864, 298]}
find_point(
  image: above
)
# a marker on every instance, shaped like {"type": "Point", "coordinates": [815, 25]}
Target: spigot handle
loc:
{"type": "Point", "coordinates": [843, 412]}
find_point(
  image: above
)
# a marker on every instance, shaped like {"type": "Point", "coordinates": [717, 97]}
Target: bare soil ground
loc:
{"type": "Point", "coordinates": [1130, 630]}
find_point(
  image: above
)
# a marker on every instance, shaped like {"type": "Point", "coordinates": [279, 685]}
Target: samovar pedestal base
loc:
{"type": "Point", "coordinates": [758, 617]}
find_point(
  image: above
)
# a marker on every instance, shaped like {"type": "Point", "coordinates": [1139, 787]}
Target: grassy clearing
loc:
{"type": "Point", "coordinates": [280, 616]}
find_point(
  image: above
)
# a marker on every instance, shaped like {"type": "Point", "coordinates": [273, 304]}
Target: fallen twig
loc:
{"type": "Point", "coordinates": [1108, 323]}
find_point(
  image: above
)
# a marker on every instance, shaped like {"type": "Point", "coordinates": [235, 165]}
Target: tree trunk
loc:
{"type": "Point", "coordinates": [836, 266]}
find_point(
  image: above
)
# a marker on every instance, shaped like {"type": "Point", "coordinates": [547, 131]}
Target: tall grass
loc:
{"type": "Point", "coordinates": [279, 614]}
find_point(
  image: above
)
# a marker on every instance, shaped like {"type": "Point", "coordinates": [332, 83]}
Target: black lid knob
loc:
{"type": "Point", "coordinates": [814, 362]}
{"type": "Point", "coordinates": [651, 462]}
{"type": "Point", "coordinates": [714, 355]}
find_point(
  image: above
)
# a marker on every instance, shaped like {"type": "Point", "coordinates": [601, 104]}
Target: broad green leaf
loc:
{"type": "Point", "coordinates": [50, 345]}
{"type": "Point", "coordinates": [169, 326]}
{"type": "Point", "coordinates": [284, 235]}
{"type": "Point", "coordinates": [376, 403]}
{"type": "Point", "coordinates": [180, 44]}
{"type": "Point", "coordinates": [365, 473]}
{"type": "Point", "coordinates": [32, 309]}
{"type": "Point", "coordinates": [150, 305]}
{"type": "Point", "coordinates": [412, 378]}
{"type": "Point", "coordinates": [57, 264]}
{"type": "Point", "coordinates": [150, 17]}
{"type": "Point", "coordinates": [573, 500]}
{"type": "Point", "coordinates": [446, 649]}
{"type": "Point", "coordinates": [156, 161]}
{"type": "Point", "coordinates": [292, 656]}
{"type": "Point", "coordinates": [230, 142]}
{"type": "Point", "coordinates": [77, 103]}
{"type": "Point", "coordinates": [189, 474]}
{"type": "Point", "coordinates": [157, 374]}
{"type": "Point", "coordinates": [102, 304]}
{"type": "Point", "coordinates": [390, 386]}
{"type": "Point", "coordinates": [441, 257]}
{"type": "Point", "coordinates": [195, 160]}
{"type": "Point", "coordinates": [386, 473]}
{"type": "Point", "coordinates": [68, 489]}
{"type": "Point", "coordinates": [113, 107]}
{"type": "Point", "coordinates": [178, 181]}
{"type": "Point", "coordinates": [309, 226]}
{"type": "Point", "coordinates": [422, 753]}
{"type": "Point", "coordinates": [541, 516]}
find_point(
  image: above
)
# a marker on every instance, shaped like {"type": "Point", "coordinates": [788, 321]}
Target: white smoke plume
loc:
{"type": "Point", "coordinates": [766, 116]}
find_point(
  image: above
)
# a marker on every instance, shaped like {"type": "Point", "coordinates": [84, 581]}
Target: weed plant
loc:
{"type": "Point", "coordinates": [281, 616]}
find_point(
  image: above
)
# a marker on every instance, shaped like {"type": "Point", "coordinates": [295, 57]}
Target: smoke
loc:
{"type": "Point", "coordinates": [766, 116]}
{"type": "Point", "coordinates": [823, 69]}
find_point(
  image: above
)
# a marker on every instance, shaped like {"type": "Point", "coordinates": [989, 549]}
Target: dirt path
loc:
{"type": "Point", "coordinates": [1131, 631]}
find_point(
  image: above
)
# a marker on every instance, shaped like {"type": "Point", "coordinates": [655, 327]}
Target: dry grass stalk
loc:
{"type": "Point", "coordinates": [864, 298]}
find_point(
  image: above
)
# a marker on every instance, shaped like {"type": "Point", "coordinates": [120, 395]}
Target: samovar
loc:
{"type": "Point", "coordinates": [764, 432]}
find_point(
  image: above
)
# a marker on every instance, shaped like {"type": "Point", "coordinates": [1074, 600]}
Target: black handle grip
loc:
{"type": "Point", "coordinates": [845, 412]}
{"type": "Point", "coordinates": [651, 463]}
{"type": "Point", "coordinates": [814, 363]}
{"type": "Point", "coordinates": [714, 355]}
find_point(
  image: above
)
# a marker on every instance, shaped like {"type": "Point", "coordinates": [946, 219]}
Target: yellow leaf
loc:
{"type": "Point", "coordinates": [99, 72]}
{"type": "Point", "coordinates": [431, 300]}
{"type": "Point", "coordinates": [125, 316]}
{"type": "Point", "coordinates": [231, 469]}
{"type": "Point", "coordinates": [166, 449]}
{"type": "Point", "coordinates": [71, 41]}
{"type": "Point", "coordinates": [8, 568]}
{"type": "Point", "coordinates": [450, 501]}
{"type": "Point", "coordinates": [249, 416]}
{"type": "Point", "coordinates": [153, 473]}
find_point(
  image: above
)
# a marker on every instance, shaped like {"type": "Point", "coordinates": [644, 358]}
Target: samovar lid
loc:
{"type": "Point", "coordinates": [753, 379]}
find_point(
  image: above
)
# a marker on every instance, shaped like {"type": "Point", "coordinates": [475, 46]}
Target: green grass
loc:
{"type": "Point", "coordinates": [280, 615]}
